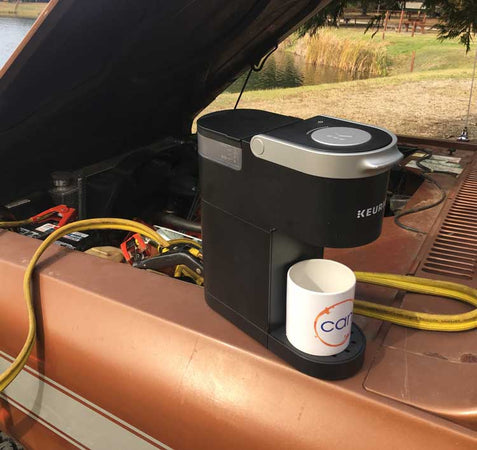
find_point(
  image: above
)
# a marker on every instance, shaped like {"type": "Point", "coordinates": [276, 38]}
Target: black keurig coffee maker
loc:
{"type": "Point", "coordinates": [276, 190]}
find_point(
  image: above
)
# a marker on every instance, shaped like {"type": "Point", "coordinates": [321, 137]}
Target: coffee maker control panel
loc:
{"type": "Point", "coordinates": [329, 148]}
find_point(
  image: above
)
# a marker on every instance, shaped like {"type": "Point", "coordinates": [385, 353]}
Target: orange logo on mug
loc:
{"type": "Point", "coordinates": [324, 327]}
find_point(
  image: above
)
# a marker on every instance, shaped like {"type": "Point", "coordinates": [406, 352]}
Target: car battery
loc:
{"type": "Point", "coordinates": [75, 241]}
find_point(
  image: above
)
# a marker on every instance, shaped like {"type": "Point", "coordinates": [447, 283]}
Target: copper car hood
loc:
{"type": "Point", "coordinates": [95, 78]}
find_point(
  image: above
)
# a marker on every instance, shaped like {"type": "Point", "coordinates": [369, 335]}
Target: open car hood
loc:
{"type": "Point", "coordinates": [95, 78]}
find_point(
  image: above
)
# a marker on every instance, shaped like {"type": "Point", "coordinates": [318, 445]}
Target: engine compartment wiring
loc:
{"type": "Point", "coordinates": [425, 175]}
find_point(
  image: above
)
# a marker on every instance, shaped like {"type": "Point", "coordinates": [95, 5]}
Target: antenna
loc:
{"type": "Point", "coordinates": [464, 136]}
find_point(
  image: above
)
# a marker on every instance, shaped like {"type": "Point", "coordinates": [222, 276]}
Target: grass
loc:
{"type": "Point", "coordinates": [21, 10]}
{"type": "Point", "coordinates": [352, 55]}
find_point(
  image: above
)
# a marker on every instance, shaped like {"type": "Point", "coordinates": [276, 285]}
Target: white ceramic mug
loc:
{"type": "Point", "coordinates": [320, 296]}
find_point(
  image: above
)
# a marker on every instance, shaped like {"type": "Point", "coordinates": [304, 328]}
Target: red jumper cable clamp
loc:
{"type": "Point", "coordinates": [60, 214]}
{"type": "Point", "coordinates": [135, 249]}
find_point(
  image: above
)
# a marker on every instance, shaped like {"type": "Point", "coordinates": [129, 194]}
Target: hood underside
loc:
{"type": "Point", "coordinates": [95, 78]}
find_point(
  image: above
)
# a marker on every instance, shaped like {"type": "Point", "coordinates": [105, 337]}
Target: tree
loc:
{"type": "Point", "coordinates": [329, 15]}
{"type": "Point", "coordinates": [457, 18]}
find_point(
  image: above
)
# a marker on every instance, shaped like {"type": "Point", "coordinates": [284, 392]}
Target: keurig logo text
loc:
{"type": "Point", "coordinates": [332, 327]}
{"type": "Point", "coordinates": [361, 213]}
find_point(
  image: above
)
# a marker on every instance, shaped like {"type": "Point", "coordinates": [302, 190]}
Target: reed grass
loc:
{"type": "Point", "coordinates": [328, 48]}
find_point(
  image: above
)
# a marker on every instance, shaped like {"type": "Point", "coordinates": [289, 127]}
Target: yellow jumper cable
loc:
{"type": "Point", "coordinates": [413, 319]}
{"type": "Point", "coordinates": [419, 320]}
{"type": "Point", "coordinates": [20, 223]}
{"type": "Point", "coordinates": [83, 225]}
{"type": "Point", "coordinates": [185, 241]}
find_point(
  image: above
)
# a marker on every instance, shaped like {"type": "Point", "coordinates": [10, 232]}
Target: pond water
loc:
{"type": "Point", "coordinates": [284, 69]}
{"type": "Point", "coordinates": [12, 31]}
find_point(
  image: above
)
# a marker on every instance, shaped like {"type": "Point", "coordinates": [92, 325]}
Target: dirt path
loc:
{"type": "Point", "coordinates": [404, 105]}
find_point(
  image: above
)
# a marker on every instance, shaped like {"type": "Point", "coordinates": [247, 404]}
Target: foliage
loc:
{"type": "Point", "coordinates": [329, 15]}
{"type": "Point", "coordinates": [457, 18]}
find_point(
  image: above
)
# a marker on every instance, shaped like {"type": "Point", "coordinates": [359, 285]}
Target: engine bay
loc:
{"type": "Point", "coordinates": [157, 185]}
